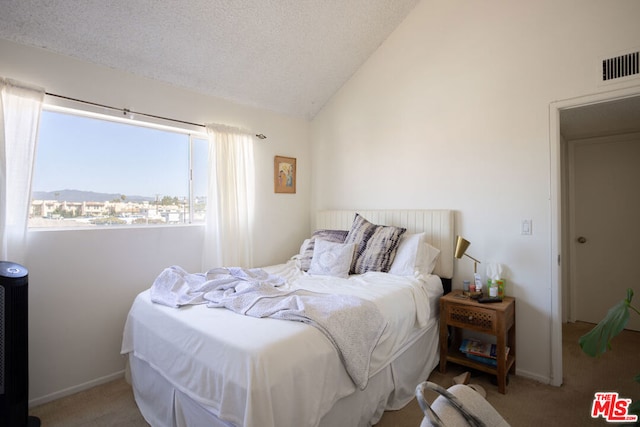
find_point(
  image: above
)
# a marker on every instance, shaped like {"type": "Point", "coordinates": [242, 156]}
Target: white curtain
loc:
{"type": "Point", "coordinates": [230, 199]}
{"type": "Point", "coordinates": [20, 108]}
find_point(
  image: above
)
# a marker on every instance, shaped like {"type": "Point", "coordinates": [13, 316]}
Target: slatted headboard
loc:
{"type": "Point", "coordinates": [437, 224]}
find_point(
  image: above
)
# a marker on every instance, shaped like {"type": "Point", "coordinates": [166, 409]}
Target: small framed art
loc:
{"type": "Point", "coordinates": [284, 174]}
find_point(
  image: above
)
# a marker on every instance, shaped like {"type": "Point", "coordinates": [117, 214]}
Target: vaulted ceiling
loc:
{"type": "Point", "coordinates": [287, 56]}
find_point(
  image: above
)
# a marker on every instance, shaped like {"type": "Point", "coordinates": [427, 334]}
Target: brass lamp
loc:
{"type": "Point", "coordinates": [461, 248]}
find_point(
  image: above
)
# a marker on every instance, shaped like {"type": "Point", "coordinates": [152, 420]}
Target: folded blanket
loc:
{"type": "Point", "coordinates": [254, 293]}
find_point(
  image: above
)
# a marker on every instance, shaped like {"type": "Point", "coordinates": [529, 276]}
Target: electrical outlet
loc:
{"type": "Point", "coordinates": [526, 229]}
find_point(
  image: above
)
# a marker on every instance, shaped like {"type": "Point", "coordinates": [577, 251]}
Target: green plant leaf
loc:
{"type": "Point", "coordinates": [637, 378]}
{"type": "Point", "coordinates": [634, 408]}
{"type": "Point", "coordinates": [597, 341]}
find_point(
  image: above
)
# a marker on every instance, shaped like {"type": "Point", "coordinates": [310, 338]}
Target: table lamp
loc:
{"type": "Point", "coordinates": [461, 249]}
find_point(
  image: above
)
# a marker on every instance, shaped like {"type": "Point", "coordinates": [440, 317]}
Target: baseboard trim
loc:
{"type": "Point", "coordinates": [75, 389]}
{"type": "Point", "coordinates": [533, 376]}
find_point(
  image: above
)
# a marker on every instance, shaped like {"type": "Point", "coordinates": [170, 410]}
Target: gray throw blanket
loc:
{"type": "Point", "coordinates": [254, 293]}
{"type": "Point", "coordinates": [174, 287]}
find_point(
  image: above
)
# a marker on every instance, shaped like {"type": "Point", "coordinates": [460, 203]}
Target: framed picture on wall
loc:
{"type": "Point", "coordinates": [284, 174]}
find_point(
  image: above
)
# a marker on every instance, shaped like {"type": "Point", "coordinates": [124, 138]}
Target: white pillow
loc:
{"type": "Point", "coordinates": [407, 255]}
{"type": "Point", "coordinates": [331, 258]}
{"type": "Point", "coordinates": [303, 246]}
{"type": "Point", "coordinates": [300, 254]}
{"type": "Point", "coordinates": [414, 256]}
{"type": "Point", "coordinates": [428, 258]}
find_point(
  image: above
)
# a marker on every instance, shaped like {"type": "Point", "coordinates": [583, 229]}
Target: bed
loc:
{"type": "Point", "coordinates": [203, 366]}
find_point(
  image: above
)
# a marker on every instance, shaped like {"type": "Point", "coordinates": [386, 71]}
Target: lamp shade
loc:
{"type": "Point", "coordinates": [461, 246]}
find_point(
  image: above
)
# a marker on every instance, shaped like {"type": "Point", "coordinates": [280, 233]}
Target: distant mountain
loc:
{"type": "Point", "coordinates": [85, 196]}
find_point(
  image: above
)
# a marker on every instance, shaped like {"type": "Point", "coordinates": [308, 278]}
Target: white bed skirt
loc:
{"type": "Point", "coordinates": [162, 405]}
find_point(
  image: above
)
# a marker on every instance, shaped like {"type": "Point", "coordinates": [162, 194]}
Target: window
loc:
{"type": "Point", "coordinates": [96, 171]}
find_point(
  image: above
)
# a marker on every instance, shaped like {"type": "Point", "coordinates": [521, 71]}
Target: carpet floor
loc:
{"type": "Point", "coordinates": [526, 403]}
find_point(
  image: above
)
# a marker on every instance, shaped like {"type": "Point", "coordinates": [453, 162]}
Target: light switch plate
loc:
{"type": "Point", "coordinates": [527, 229]}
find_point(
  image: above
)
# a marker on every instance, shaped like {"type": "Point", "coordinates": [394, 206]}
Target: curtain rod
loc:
{"type": "Point", "coordinates": [126, 112]}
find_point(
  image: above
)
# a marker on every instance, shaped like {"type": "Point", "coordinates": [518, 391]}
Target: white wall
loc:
{"type": "Point", "coordinates": [82, 283]}
{"type": "Point", "coordinates": [452, 111]}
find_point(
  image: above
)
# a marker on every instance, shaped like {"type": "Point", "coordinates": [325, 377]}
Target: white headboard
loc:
{"type": "Point", "coordinates": [437, 224]}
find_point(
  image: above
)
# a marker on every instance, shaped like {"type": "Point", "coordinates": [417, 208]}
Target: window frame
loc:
{"type": "Point", "coordinates": [192, 131]}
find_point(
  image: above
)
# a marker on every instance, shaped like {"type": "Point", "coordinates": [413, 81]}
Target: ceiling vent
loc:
{"type": "Point", "coordinates": [620, 66]}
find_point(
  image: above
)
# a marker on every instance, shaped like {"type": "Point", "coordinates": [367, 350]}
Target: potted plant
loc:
{"type": "Point", "coordinates": [597, 341]}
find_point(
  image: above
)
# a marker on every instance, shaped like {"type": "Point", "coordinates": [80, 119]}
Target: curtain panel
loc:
{"type": "Point", "coordinates": [230, 199]}
{"type": "Point", "coordinates": [20, 109]}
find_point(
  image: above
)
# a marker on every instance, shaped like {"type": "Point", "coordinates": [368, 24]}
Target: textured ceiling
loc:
{"type": "Point", "coordinates": [287, 56]}
{"type": "Point", "coordinates": [601, 119]}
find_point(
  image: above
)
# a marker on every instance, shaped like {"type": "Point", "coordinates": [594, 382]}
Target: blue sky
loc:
{"type": "Point", "coordinates": [81, 153]}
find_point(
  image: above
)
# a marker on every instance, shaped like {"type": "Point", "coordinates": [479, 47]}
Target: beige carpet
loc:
{"type": "Point", "coordinates": [527, 402]}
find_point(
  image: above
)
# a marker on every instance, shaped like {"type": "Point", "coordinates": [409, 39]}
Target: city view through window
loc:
{"type": "Point", "coordinates": [91, 172]}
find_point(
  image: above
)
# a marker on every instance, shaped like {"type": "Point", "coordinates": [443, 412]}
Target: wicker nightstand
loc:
{"type": "Point", "coordinates": [497, 319]}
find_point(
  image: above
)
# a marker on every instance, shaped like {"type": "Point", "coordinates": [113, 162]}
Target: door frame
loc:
{"type": "Point", "coordinates": [558, 205]}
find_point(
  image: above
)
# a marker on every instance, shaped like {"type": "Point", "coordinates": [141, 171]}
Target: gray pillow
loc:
{"type": "Point", "coordinates": [336, 236]}
{"type": "Point", "coordinates": [376, 245]}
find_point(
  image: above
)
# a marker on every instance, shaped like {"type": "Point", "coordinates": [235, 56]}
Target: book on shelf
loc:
{"type": "Point", "coordinates": [485, 360]}
{"type": "Point", "coordinates": [478, 348]}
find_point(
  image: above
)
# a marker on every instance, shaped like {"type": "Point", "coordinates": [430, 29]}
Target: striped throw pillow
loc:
{"type": "Point", "coordinates": [376, 245]}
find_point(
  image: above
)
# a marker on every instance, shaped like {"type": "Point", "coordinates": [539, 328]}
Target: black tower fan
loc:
{"type": "Point", "coordinates": [14, 351]}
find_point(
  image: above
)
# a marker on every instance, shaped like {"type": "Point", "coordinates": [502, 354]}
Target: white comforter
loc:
{"type": "Point", "coordinates": [255, 293]}
{"type": "Point", "coordinates": [267, 372]}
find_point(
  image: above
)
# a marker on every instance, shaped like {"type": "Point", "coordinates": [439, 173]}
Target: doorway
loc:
{"type": "Point", "coordinates": [595, 116]}
{"type": "Point", "coordinates": [603, 204]}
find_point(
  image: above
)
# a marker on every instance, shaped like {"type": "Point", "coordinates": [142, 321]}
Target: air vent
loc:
{"type": "Point", "coordinates": [620, 66]}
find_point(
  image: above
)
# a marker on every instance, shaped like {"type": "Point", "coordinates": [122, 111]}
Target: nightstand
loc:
{"type": "Point", "coordinates": [498, 319]}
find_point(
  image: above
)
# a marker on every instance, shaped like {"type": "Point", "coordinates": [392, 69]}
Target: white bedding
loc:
{"type": "Point", "coordinates": [269, 372]}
